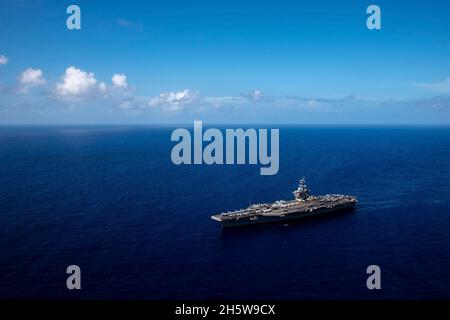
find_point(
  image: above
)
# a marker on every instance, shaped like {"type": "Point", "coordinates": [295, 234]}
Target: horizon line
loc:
{"type": "Point", "coordinates": [228, 124]}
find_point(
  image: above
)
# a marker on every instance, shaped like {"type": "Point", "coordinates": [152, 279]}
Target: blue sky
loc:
{"type": "Point", "coordinates": [224, 61]}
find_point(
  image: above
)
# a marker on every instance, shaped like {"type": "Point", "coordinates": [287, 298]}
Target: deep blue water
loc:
{"type": "Point", "coordinates": [110, 200]}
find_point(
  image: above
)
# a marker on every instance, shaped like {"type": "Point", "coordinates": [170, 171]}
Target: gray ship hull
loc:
{"type": "Point", "coordinates": [288, 216]}
{"type": "Point", "coordinates": [304, 205]}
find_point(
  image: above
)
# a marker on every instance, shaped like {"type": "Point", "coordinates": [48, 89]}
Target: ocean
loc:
{"type": "Point", "coordinates": [109, 199]}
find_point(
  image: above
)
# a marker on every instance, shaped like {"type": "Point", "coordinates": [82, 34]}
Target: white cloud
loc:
{"type": "Point", "coordinates": [32, 77]}
{"type": "Point", "coordinates": [179, 100]}
{"type": "Point", "coordinates": [76, 82]}
{"type": "Point", "coordinates": [120, 81]}
{"type": "Point", "coordinates": [438, 87]}
{"type": "Point", "coordinates": [174, 100]}
{"type": "Point", "coordinates": [102, 87]}
{"type": "Point", "coordinates": [3, 59]}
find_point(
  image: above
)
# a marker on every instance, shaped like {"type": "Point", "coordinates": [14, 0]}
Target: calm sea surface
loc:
{"type": "Point", "coordinates": [109, 199]}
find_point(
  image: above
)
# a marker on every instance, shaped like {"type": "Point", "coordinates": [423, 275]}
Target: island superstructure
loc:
{"type": "Point", "coordinates": [304, 205]}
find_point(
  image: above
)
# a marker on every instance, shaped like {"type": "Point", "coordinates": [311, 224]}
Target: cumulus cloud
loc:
{"type": "Point", "coordinates": [3, 59]}
{"type": "Point", "coordinates": [75, 83]}
{"type": "Point", "coordinates": [31, 78]}
{"type": "Point", "coordinates": [180, 100]}
{"type": "Point", "coordinates": [174, 100]}
{"type": "Point", "coordinates": [438, 87]}
{"type": "Point", "coordinates": [120, 81]}
{"type": "Point", "coordinates": [79, 85]}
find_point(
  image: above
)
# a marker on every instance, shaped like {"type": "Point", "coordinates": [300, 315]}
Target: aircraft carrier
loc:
{"type": "Point", "coordinates": [304, 205]}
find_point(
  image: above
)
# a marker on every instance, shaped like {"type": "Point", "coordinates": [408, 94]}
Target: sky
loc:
{"type": "Point", "coordinates": [163, 62]}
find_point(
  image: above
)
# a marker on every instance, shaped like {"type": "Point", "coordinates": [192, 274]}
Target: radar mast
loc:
{"type": "Point", "coordinates": [302, 192]}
